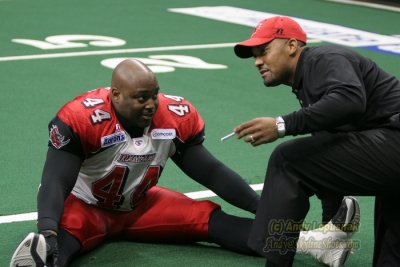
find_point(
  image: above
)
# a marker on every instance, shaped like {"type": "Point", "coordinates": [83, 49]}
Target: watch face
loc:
{"type": "Point", "coordinates": [280, 126]}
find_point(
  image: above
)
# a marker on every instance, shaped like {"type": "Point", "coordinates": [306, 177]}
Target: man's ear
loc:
{"type": "Point", "coordinates": [293, 46]}
{"type": "Point", "coordinates": [115, 94]}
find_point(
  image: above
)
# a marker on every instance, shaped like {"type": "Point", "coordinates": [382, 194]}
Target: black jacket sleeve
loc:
{"type": "Point", "coordinates": [198, 163]}
{"type": "Point", "coordinates": [59, 176]}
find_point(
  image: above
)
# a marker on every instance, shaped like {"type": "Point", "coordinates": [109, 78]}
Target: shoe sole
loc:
{"type": "Point", "coordinates": [346, 256]}
{"type": "Point", "coordinates": [31, 252]}
{"type": "Point", "coordinates": [355, 220]}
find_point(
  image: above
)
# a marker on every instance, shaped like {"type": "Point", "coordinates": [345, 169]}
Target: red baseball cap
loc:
{"type": "Point", "coordinates": [269, 29]}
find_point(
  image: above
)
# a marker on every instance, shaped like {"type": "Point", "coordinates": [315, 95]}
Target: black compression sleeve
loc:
{"type": "Point", "coordinates": [204, 168]}
{"type": "Point", "coordinates": [58, 178]}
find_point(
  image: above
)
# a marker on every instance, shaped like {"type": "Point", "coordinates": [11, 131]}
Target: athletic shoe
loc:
{"type": "Point", "coordinates": [31, 252]}
{"type": "Point", "coordinates": [348, 216]}
{"type": "Point", "coordinates": [332, 244]}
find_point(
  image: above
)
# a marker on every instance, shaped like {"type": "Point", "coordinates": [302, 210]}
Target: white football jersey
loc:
{"type": "Point", "coordinates": [117, 170]}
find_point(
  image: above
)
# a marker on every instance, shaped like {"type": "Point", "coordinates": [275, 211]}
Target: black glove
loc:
{"type": "Point", "coordinates": [51, 248]}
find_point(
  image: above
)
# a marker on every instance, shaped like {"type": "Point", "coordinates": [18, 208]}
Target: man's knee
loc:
{"type": "Point", "coordinates": [286, 156]}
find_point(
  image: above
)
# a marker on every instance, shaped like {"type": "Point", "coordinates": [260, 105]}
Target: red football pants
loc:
{"type": "Point", "coordinates": [162, 215]}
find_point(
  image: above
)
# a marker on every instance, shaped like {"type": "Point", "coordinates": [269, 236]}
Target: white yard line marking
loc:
{"type": "Point", "coordinates": [31, 216]}
{"type": "Point", "coordinates": [117, 51]}
{"type": "Point", "coordinates": [372, 5]}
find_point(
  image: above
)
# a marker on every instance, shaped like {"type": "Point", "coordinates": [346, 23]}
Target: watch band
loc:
{"type": "Point", "coordinates": [280, 126]}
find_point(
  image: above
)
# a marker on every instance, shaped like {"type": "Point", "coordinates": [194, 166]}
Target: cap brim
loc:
{"type": "Point", "coordinates": [243, 49]}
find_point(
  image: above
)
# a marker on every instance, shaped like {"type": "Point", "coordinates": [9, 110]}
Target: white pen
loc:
{"type": "Point", "coordinates": [227, 136]}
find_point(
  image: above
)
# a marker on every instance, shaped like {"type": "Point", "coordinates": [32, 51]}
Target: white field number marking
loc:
{"type": "Point", "coordinates": [70, 41]}
{"type": "Point", "coordinates": [167, 63]}
{"type": "Point", "coordinates": [157, 63]}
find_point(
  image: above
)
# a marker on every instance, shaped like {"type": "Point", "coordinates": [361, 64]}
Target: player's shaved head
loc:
{"type": "Point", "coordinates": [131, 72]}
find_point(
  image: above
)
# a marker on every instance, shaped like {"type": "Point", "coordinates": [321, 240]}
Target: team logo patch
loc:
{"type": "Point", "coordinates": [113, 139]}
{"type": "Point", "coordinates": [163, 134]}
{"type": "Point", "coordinates": [138, 142]}
{"type": "Point", "coordinates": [57, 139]}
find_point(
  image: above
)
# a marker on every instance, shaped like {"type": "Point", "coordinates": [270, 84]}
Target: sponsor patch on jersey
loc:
{"type": "Point", "coordinates": [57, 139]}
{"type": "Point", "coordinates": [163, 134]}
{"type": "Point", "coordinates": [113, 139]}
{"type": "Point", "coordinates": [124, 158]}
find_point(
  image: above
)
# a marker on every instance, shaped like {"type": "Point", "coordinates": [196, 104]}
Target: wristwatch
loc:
{"type": "Point", "coordinates": [280, 126]}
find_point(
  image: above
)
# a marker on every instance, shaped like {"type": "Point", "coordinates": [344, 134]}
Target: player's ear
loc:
{"type": "Point", "coordinates": [115, 94]}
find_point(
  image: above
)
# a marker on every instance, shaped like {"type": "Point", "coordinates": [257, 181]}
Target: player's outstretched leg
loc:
{"type": "Point", "coordinates": [31, 252]}
{"type": "Point", "coordinates": [332, 244]}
